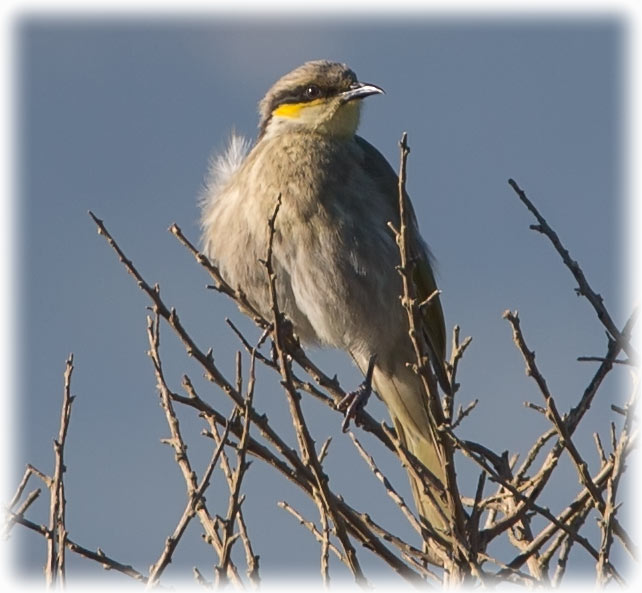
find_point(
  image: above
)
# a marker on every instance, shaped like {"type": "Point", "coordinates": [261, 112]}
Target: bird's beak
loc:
{"type": "Point", "coordinates": [360, 90]}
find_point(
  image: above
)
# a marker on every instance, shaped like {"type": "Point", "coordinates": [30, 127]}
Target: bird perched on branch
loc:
{"type": "Point", "coordinates": [334, 254]}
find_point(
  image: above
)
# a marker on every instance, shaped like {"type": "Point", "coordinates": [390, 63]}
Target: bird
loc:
{"type": "Point", "coordinates": [334, 254]}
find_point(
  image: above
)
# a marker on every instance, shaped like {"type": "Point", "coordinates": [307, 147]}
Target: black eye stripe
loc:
{"type": "Point", "coordinates": [300, 95]}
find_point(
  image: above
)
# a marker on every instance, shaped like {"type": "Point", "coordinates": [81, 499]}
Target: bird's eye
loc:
{"type": "Point", "coordinates": [312, 92]}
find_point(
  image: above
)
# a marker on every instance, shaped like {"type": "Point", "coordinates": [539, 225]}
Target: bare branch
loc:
{"type": "Point", "coordinates": [532, 455]}
{"type": "Point", "coordinates": [551, 410]}
{"type": "Point", "coordinates": [204, 359]}
{"type": "Point", "coordinates": [392, 493]}
{"type": "Point", "coordinates": [306, 444]}
{"type": "Point", "coordinates": [598, 446]}
{"type": "Point", "coordinates": [325, 542]}
{"type": "Point", "coordinates": [20, 512]}
{"type": "Point", "coordinates": [196, 504]}
{"type": "Point", "coordinates": [235, 499]}
{"type": "Point", "coordinates": [200, 579]}
{"type": "Point", "coordinates": [577, 413]}
{"type": "Point", "coordinates": [566, 544]}
{"type": "Point", "coordinates": [463, 412]}
{"type": "Point", "coordinates": [456, 352]}
{"type": "Point", "coordinates": [219, 283]}
{"type": "Point", "coordinates": [323, 451]}
{"type": "Point", "coordinates": [99, 556]}
{"type": "Point", "coordinates": [21, 487]}
{"type": "Point", "coordinates": [36, 472]}
{"type": "Point", "coordinates": [311, 527]}
{"type": "Point", "coordinates": [608, 521]}
{"type": "Point", "coordinates": [252, 559]}
{"type": "Point", "coordinates": [560, 522]}
{"type": "Point", "coordinates": [454, 522]}
{"type": "Point", "coordinates": [597, 302]}
{"type": "Point", "coordinates": [57, 533]}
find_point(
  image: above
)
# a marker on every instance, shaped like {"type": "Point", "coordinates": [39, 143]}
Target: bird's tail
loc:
{"type": "Point", "coordinates": [402, 393]}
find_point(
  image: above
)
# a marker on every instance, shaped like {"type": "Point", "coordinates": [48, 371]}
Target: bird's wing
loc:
{"type": "Point", "coordinates": [378, 168]}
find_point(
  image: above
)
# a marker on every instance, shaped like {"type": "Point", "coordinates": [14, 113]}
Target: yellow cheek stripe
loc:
{"type": "Point", "coordinates": [294, 109]}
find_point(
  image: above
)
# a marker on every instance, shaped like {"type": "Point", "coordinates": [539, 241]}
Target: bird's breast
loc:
{"type": "Point", "coordinates": [333, 254]}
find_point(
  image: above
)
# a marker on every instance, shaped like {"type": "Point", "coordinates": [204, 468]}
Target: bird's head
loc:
{"type": "Point", "coordinates": [321, 96]}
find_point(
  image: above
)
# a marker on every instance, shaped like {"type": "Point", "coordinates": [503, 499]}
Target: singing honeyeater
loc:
{"type": "Point", "coordinates": [334, 254]}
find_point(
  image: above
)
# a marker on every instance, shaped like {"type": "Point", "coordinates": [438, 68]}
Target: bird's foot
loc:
{"type": "Point", "coordinates": [354, 401]}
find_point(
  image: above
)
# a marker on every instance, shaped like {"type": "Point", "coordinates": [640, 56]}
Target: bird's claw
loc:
{"type": "Point", "coordinates": [353, 402]}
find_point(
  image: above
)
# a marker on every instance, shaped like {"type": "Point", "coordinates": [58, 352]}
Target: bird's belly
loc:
{"type": "Point", "coordinates": [348, 296]}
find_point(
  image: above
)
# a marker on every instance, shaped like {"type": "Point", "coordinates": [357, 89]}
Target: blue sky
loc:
{"type": "Point", "coordinates": [121, 116]}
